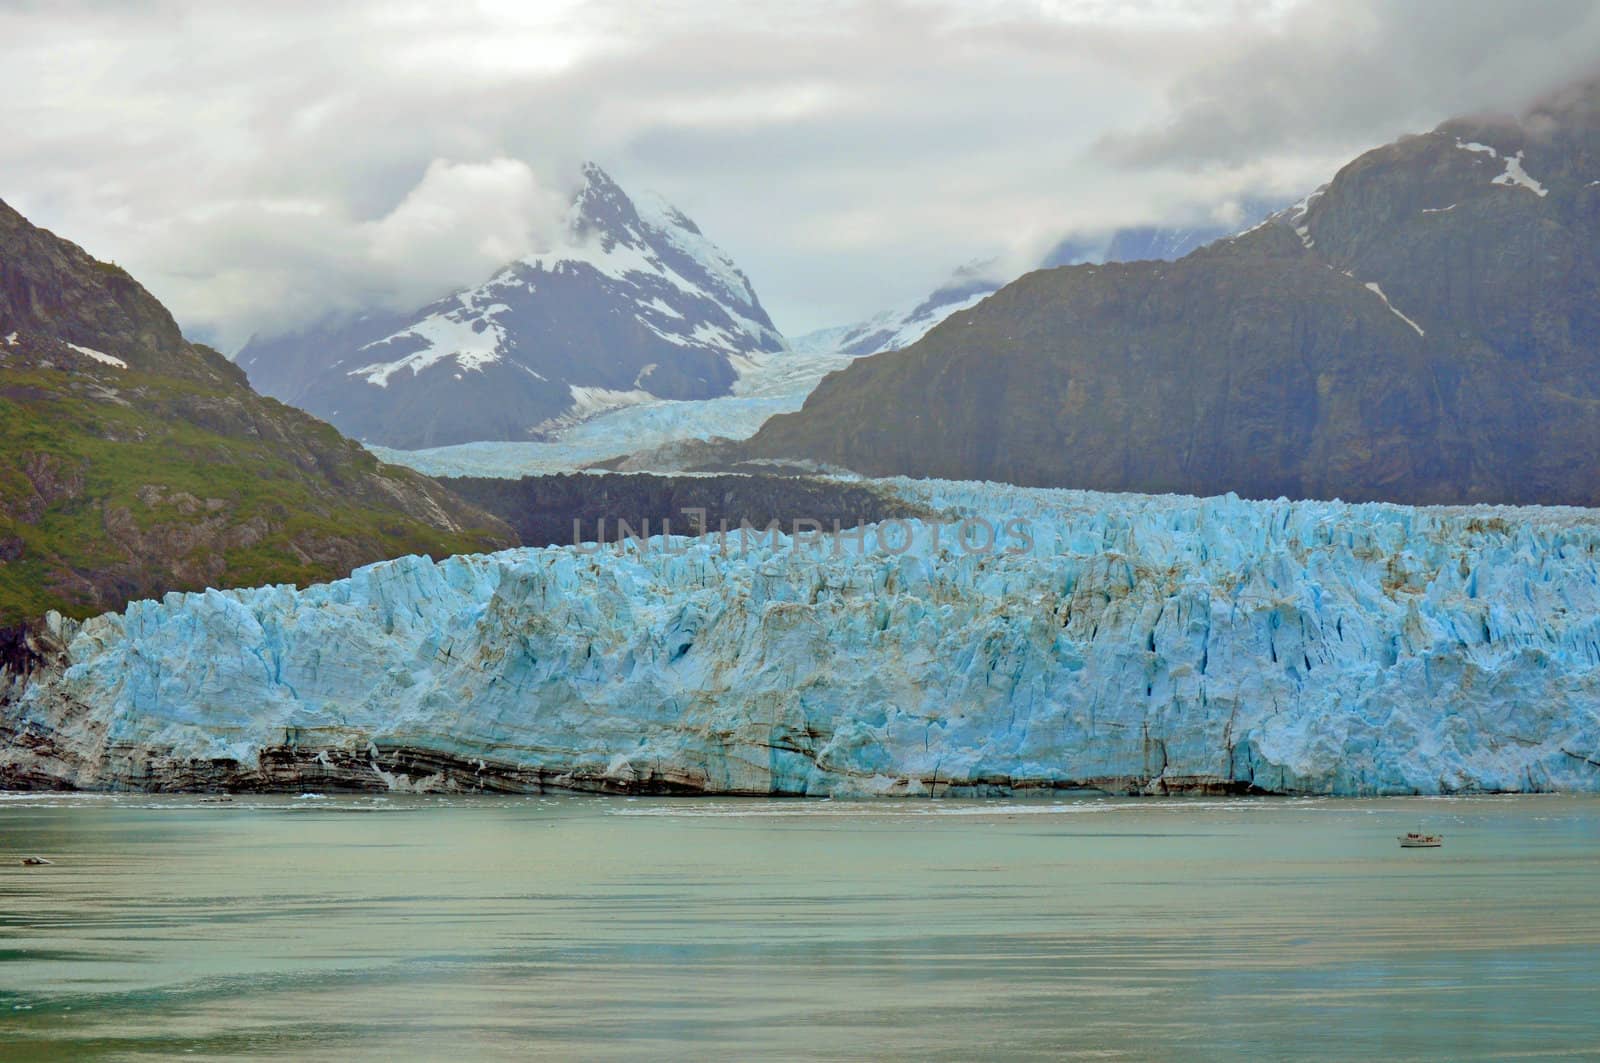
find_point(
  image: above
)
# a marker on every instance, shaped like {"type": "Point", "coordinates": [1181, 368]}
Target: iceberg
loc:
{"type": "Point", "coordinates": [1128, 643]}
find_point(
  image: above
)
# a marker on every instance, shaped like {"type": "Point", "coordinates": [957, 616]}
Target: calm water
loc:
{"type": "Point", "coordinates": [593, 928]}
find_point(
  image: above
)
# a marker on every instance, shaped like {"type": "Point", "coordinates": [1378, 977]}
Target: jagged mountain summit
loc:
{"type": "Point", "coordinates": [902, 326]}
{"type": "Point", "coordinates": [666, 433]}
{"type": "Point", "coordinates": [633, 304]}
{"type": "Point", "coordinates": [1425, 328]}
{"type": "Point", "coordinates": [136, 462]}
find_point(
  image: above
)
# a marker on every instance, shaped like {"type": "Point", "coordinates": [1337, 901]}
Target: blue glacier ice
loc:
{"type": "Point", "coordinates": [1141, 644]}
{"type": "Point", "coordinates": [768, 384]}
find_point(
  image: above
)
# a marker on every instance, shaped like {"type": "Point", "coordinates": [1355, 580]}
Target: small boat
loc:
{"type": "Point", "coordinates": [36, 861]}
{"type": "Point", "coordinates": [1417, 840]}
{"type": "Point", "coordinates": [222, 799]}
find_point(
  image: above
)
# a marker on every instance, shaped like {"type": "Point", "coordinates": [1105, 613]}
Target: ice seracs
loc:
{"type": "Point", "coordinates": [1134, 643]}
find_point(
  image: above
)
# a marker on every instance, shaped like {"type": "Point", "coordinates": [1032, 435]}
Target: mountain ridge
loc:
{"type": "Point", "coordinates": [141, 463]}
{"type": "Point", "coordinates": [1425, 329]}
{"type": "Point", "coordinates": [892, 329]}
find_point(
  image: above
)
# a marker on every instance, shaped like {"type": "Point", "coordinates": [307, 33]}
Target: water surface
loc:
{"type": "Point", "coordinates": [1095, 928]}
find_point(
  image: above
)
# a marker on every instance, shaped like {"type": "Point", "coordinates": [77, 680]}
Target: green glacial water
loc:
{"type": "Point", "coordinates": [592, 928]}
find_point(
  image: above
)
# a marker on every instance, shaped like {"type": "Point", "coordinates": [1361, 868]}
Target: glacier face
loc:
{"type": "Point", "coordinates": [1139, 644]}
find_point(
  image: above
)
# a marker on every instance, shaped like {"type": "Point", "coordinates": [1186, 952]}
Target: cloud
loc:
{"type": "Point", "coordinates": [258, 165]}
{"type": "Point", "coordinates": [1360, 72]}
{"type": "Point", "coordinates": [464, 219]}
{"type": "Point", "coordinates": [268, 264]}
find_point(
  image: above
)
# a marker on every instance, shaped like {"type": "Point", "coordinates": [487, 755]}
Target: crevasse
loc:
{"type": "Point", "coordinates": [1142, 644]}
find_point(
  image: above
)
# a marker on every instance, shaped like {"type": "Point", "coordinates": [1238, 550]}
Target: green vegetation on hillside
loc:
{"type": "Point", "coordinates": [103, 499]}
{"type": "Point", "coordinates": [133, 462]}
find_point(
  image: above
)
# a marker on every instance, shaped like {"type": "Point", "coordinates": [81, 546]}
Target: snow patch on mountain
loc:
{"type": "Point", "coordinates": [1372, 286]}
{"type": "Point", "coordinates": [729, 282]}
{"type": "Point", "coordinates": [1296, 217]}
{"type": "Point", "coordinates": [98, 356]}
{"type": "Point", "coordinates": [1516, 177]}
{"type": "Point", "coordinates": [586, 402]}
{"type": "Point", "coordinates": [469, 335]}
{"type": "Point", "coordinates": [891, 330]}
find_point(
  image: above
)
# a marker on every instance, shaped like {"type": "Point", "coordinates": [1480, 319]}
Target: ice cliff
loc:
{"type": "Point", "coordinates": [1142, 644]}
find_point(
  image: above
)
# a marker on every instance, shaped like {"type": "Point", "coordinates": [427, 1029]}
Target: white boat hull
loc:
{"type": "Point", "coordinates": [1424, 842]}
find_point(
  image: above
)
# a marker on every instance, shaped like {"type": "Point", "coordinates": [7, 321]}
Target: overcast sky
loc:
{"type": "Point", "coordinates": [259, 165]}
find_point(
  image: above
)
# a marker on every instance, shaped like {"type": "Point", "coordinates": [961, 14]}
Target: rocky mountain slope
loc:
{"type": "Point", "coordinates": [635, 304]}
{"type": "Point", "coordinates": [902, 326]}
{"type": "Point", "coordinates": [1166, 243]}
{"type": "Point", "coordinates": [136, 462]}
{"type": "Point", "coordinates": [1426, 328]}
{"type": "Point", "coordinates": [1128, 643]}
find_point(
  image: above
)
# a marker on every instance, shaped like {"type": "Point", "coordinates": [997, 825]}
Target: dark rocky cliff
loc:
{"type": "Point", "coordinates": [1426, 329]}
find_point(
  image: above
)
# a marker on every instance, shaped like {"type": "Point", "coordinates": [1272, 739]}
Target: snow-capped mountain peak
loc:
{"type": "Point", "coordinates": [633, 301]}
{"type": "Point", "coordinates": [904, 325]}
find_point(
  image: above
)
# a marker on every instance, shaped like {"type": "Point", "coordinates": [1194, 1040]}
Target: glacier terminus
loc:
{"type": "Point", "coordinates": [1142, 644]}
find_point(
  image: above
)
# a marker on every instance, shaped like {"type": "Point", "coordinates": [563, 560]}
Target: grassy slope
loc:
{"type": "Point", "coordinates": [148, 500]}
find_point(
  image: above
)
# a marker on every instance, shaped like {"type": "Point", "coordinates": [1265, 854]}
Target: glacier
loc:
{"type": "Point", "coordinates": [1126, 643]}
{"type": "Point", "coordinates": [767, 384]}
